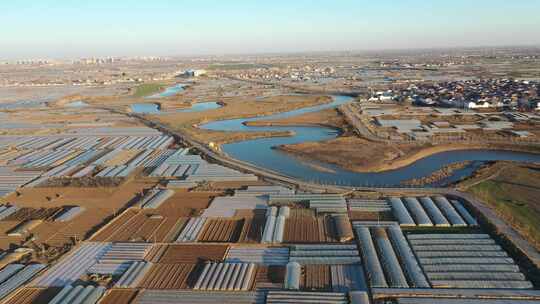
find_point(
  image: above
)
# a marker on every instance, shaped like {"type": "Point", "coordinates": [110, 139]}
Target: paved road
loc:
{"type": "Point", "coordinates": [351, 115]}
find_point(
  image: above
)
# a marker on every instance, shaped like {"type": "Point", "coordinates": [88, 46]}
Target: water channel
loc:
{"type": "Point", "coordinates": [168, 92]}
{"type": "Point", "coordinates": [260, 152]}
{"type": "Point", "coordinates": [154, 108]}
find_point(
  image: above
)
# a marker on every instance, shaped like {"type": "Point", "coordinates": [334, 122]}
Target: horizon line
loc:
{"type": "Point", "coordinates": [274, 53]}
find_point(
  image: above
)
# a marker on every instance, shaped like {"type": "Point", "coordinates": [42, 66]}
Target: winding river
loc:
{"type": "Point", "coordinates": [168, 92]}
{"type": "Point", "coordinates": [154, 108]}
{"type": "Point", "coordinates": [260, 152]}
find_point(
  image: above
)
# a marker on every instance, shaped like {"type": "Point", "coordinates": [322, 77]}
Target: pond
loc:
{"type": "Point", "coordinates": [168, 92]}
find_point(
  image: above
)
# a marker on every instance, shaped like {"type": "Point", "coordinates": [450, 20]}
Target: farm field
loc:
{"type": "Point", "coordinates": [101, 203]}
{"type": "Point", "coordinates": [148, 89]}
{"type": "Point", "coordinates": [513, 193]}
{"type": "Point", "coordinates": [45, 203]}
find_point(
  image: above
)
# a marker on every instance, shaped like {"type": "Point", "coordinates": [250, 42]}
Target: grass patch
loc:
{"type": "Point", "coordinates": [146, 89]}
{"type": "Point", "coordinates": [515, 202]}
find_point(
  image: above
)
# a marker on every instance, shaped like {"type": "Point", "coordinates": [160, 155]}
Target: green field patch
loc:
{"type": "Point", "coordinates": [146, 89]}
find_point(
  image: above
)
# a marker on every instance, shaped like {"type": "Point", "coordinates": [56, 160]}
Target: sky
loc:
{"type": "Point", "coordinates": [75, 28]}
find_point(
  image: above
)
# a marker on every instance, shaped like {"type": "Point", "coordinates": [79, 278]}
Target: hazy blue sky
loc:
{"type": "Point", "coordinates": [64, 28]}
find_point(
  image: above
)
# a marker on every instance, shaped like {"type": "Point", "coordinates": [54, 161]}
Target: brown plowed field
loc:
{"type": "Point", "coordinates": [46, 230]}
{"type": "Point", "coordinates": [304, 229]}
{"type": "Point", "coordinates": [32, 295]}
{"type": "Point", "coordinates": [119, 296]}
{"type": "Point", "coordinates": [123, 231]}
{"type": "Point", "coordinates": [168, 230]}
{"type": "Point", "coordinates": [137, 225]}
{"type": "Point", "coordinates": [302, 212]}
{"type": "Point", "coordinates": [111, 198]}
{"type": "Point", "coordinates": [78, 229]}
{"type": "Point", "coordinates": [167, 276]}
{"type": "Point", "coordinates": [371, 216]}
{"type": "Point", "coordinates": [100, 204]}
{"type": "Point", "coordinates": [147, 229]}
{"type": "Point", "coordinates": [252, 230]}
{"type": "Point", "coordinates": [186, 204]}
{"type": "Point", "coordinates": [26, 213]}
{"type": "Point", "coordinates": [155, 253]}
{"type": "Point", "coordinates": [270, 277]}
{"type": "Point", "coordinates": [316, 277]}
{"type": "Point", "coordinates": [301, 230]}
{"type": "Point", "coordinates": [5, 240]}
{"type": "Point", "coordinates": [192, 254]}
{"type": "Point", "coordinates": [113, 226]}
{"type": "Point", "coordinates": [126, 232]}
{"type": "Point", "coordinates": [221, 230]}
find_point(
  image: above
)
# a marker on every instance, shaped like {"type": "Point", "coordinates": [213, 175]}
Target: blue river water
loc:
{"type": "Point", "coordinates": [261, 152]}
{"type": "Point", "coordinates": [154, 108]}
{"type": "Point", "coordinates": [201, 106]}
{"type": "Point", "coordinates": [145, 108]}
{"type": "Point", "coordinates": [168, 92]}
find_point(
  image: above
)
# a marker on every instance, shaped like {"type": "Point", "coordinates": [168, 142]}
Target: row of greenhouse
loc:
{"type": "Point", "coordinates": [87, 142]}
{"type": "Point", "coordinates": [11, 179]}
{"type": "Point", "coordinates": [431, 211]}
{"type": "Point", "coordinates": [275, 224]}
{"type": "Point", "coordinates": [380, 248]}
{"type": "Point", "coordinates": [466, 261]}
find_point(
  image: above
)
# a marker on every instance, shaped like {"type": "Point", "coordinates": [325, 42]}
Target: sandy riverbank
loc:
{"type": "Point", "coordinates": [234, 108]}
{"type": "Point", "coordinates": [360, 155]}
{"type": "Point", "coordinates": [325, 118]}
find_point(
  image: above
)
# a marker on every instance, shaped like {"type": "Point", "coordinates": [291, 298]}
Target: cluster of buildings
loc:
{"type": "Point", "coordinates": [192, 73]}
{"type": "Point", "coordinates": [431, 64]}
{"type": "Point", "coordinates": [470, 94]}
{"type": "Point", "coordinates": [29, 62]}
{"type": "Point", "coordinates": [111, 60]}
{"type": "Point", "coordinates": [78, 82]}
{"type": "Point", "coordinates": [303, 73]}
{"type": "Point", "coordinates": [423, 123]}
{"type": "Point", "coordinates": [90, 61]}
{"type": "Point", "coordinates": [82, 72]}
